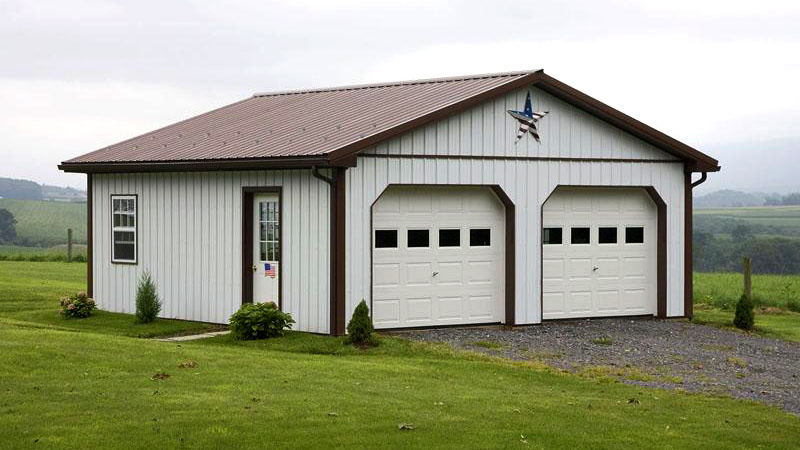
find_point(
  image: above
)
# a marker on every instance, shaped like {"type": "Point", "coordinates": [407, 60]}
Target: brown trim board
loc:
{"type": "Point", "coordinates": [90, 236]}
{"type": "Point", "coordinates": [688, 275]}
{"type": "Point", "coordinates": [520, 158]}
{"type": "Point", "coordinates": [510, 247]}
{"type": "Point", "coordinates": [661, 244]}
{"type": "Point", "coordinates": [247, 240]}
{"type": "Point", "coordinates": [338, 249]}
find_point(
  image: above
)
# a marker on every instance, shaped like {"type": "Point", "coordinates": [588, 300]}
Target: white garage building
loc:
{"type": "Point", "coordinates": [415, 196]}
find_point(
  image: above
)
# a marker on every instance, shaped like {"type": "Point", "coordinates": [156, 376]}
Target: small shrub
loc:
{"type": "Point", "coordinates": [793, 304]}
{"type": "Point", "coordinates": [77, 306]}
{"type": "Point", "coordinates": [744, 317]}
{"type": "Point", "coordinates": [360, 331]}
{"type": "Point", "coordinates": [259, 321]}
{"type": "Point", "coordinates": [148, 304]}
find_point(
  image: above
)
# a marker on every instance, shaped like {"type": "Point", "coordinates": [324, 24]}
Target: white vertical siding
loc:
{"type": "Point", "coordinates": [189, 237]}
{"type": "Point", "coordinates": [528, 184]}
{"type": "Point", "coordinates": [487, 130]}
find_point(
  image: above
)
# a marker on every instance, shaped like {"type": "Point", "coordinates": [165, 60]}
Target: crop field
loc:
{"type": "Point", "coordinates": [776, 216]}
{"type": "Point", "coordinates": [47, 222]}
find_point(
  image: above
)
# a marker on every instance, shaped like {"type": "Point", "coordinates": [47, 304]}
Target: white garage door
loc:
{"type": "Point", "coordinates": [437, 256]}
{"type": "Point", "coordinates": [598, 253]}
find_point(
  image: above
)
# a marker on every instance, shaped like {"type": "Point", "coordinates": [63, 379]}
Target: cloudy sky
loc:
{"type": "Point", "coordinates": [78, 75]}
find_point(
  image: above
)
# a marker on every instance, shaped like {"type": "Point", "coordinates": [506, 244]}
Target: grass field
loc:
{"type": "Point", "coordinates": [784, 326]}
{"type": "Point", "coordinates": [723, 290]}
{"type": "Point", "coordinates": [54, 253]}
{"type": "Point", "coordinates": [94, 387]}
{"type": "Point", "coordinates": [47, 222]}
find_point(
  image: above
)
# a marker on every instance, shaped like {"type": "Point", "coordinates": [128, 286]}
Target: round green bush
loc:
{"type": "Point", "coordinates": [259, 321]}
{"type": "Point", "coordinates": [360, 331]}
{"type": "Point", "coordinates": [744, 317]}
{"type": "Point", "coordinates": [77, 306]}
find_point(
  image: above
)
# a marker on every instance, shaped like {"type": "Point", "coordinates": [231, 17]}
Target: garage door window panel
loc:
{"type": "Point", "coordinates": [385, 238]}
{"type": "Point", "coordinates": [634, 235]}
{"type": "Point", "coordinates": [480, 237]}
{"type": "Point", "coordinates": [450, 237]}
{"type": "Point", "coordinates": [552, 236]}
{"type": "Point", "coordinates": [418, 238]}
{"type": "Point", "coordinates": [580, 235]}
{"type": "Point", "coordinates": [607, 235]}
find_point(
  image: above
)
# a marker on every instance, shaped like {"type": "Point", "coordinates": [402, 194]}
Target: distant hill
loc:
{"type": "Point", "coordinates": [63, 194]}
{"type": "Point", "coordinates": [22, 189]}
{"type": "Point", "coordinates": [30, 190]}
{"type": "Point", "coordinates": [728, 198]}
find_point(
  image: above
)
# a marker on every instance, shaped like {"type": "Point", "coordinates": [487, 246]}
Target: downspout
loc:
{"type": "Point", "coordinates": [703, 176]}
{"type": "Point", "coordinates": [688, 293]}
{"type": "Point", "coordinates": [332, 308]}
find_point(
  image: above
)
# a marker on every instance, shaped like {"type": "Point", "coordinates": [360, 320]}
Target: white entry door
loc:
{"type": "Point", "coordinates": [266, 247]}
{"type": "Point", "coordinates": [437, 256]}
{"type": "Point", "coordinates": [598, 253]}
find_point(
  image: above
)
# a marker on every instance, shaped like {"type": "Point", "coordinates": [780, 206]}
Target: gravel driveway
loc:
{"type": "Point", "coordinates": [671, 354]}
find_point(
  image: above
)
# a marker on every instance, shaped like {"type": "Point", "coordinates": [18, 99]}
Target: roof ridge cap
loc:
{"type": "Point", "coordinates": [355, 87]}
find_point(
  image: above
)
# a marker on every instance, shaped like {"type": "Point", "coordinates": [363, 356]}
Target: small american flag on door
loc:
{"type": "Point", "coordinates": [269, 270]}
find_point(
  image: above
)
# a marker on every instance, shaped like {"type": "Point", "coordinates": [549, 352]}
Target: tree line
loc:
{"type": "Point", "coordinates": [720, 243]}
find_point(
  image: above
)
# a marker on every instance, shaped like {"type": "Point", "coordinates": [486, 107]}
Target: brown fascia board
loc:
{"type": "Point", "coordinates": [196, 165]}
{"type": "Point", "coordinates": [698, 161]}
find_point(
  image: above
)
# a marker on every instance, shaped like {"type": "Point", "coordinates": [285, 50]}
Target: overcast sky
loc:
{"type": "Point", "coordinates": [79, 75]}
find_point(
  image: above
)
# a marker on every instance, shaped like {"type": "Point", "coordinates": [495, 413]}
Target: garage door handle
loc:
{"type": "Point", "coordinates": [594, 269]}
{"type": "Point", "coordinates": [435, 273]}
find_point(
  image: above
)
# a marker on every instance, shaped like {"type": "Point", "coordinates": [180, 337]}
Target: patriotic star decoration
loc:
{"type": "Point", "coordinates": [527, 120]}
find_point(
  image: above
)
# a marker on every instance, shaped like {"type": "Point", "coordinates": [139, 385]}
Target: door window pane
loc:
{"type": "Point", "coordinates": [269, 231]}
{"type": "Point", "coordinates": [579, 235]}
{"type": "Point", "coordinates": [480, 237]}
{"type": "Point", "coordinates": [450, 238]}
{"type": "Point", "coordinates": [551, 236]}
{"type": "Point", "coordinates": [418, 238]}
{"type": "Point", "coordinates": [385, 238]}
{"type": "Point", "coordinates": [634, 235]}
{"type": "Point", "coordinates": [607, 235]}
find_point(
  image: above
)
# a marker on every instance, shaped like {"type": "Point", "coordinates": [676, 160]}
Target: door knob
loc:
{"type": "Point", "coordinates": [254, 268]}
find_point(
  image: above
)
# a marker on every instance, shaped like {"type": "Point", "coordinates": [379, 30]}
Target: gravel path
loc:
{"type": "Point", "coordinates": [670, 354]}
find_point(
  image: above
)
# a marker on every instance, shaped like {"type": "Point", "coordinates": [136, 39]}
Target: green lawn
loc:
{"type": "Point", "coordinates": [723, 290]}
{"type": "Point", "coordinates": [47, 222]}
{"type": "Point", "coordinates": [94, 389]}
{"type": "Point", "coordinates": [29, 293]}
{"type": "Point", "coordinates": [784, 216]}
{"type": "Point", "coordinates": [782, 326]}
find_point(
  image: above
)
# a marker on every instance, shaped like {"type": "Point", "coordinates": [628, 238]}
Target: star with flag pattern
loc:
{"type": "Point", "coordinates": [527, 120]}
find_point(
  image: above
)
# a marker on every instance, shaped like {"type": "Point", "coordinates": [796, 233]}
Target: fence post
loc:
{"type": "Point", "coordinates": [69, 244]}
{"type": "Point", "coordinates": [748, 282]}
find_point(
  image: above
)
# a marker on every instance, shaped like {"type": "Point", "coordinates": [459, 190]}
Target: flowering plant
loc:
{"type": "Point", "coordinates": [78, 305]}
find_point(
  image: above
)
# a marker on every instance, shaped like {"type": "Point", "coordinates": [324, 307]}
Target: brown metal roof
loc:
{"type": "Point", "coordinates": [329, 126]}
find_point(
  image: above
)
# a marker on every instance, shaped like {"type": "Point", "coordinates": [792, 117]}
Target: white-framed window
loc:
{"type": "Point", "coordinates": [123, 228]}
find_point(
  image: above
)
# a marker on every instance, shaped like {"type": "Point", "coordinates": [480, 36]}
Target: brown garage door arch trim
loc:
{"type": "Point", "coordinates": [510, 249]}
{"type": "Point", "coordinates": [661, 244]}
